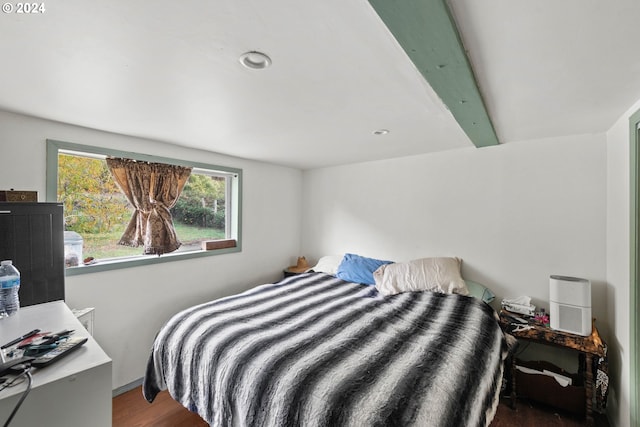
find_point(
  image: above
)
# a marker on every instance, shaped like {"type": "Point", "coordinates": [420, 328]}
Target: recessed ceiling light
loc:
{"type": "Point", "coordinates": [381, 132]}
{"type": "Point", "coordinates": [255, 60]}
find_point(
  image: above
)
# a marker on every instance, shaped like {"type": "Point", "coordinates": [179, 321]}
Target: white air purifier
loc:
{"type": "Point", "coordinates": [570, 305]}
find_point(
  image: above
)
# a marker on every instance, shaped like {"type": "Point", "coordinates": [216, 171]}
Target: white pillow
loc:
{"type": "Point", "coordinates": [328, 264]}
{"type": "Point", "coordinates": [432, 274]}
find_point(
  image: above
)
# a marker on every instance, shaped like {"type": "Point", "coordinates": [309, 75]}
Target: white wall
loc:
{"type": "Point", "coordinates": [131, 304]}
{"type": "Point", "coordinates": [515, 213]}
{"type": "Point", "coordinates": [618, 265]}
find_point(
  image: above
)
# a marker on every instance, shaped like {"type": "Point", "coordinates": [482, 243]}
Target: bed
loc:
{"type": "Point", "coordinates": [317, 350]}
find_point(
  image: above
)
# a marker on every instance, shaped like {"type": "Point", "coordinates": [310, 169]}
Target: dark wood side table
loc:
{"type": "Point", "coordinates": [288, 273]}
{"type": "Point", "coordinates": [590, 346]}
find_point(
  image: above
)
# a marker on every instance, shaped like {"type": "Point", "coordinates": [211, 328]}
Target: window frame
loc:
{"type": "Point", "coordinates": [233, 205]}
{"type": "Point", "coordinates": [634, 267]}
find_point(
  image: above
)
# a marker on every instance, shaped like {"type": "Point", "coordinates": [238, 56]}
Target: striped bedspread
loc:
{"type": "Point", "coordinates": [313, 350]}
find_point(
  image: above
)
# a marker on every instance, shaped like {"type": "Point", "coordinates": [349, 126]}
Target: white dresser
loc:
{"type": "Point", "coordinates": [74, 391]}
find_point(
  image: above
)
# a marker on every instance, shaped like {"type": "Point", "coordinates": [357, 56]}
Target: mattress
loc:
{"type": "Point", "coordinates": [314, 350]}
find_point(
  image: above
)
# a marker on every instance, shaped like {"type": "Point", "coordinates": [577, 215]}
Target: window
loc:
{"type": "Point", "coordinates": [205, 216]}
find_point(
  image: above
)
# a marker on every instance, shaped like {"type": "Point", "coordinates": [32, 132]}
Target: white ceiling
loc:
{"type": "Point", "coordinates": [169, 71]}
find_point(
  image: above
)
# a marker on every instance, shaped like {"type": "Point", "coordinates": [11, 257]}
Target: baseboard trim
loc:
{"type": "Point", "coordinates": [127, 387]}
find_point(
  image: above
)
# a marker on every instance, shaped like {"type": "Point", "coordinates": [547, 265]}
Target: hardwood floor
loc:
{"type": "Point", "coordinates": [531, 414]}
{"type": "Point", "coordinates": [130, 409]}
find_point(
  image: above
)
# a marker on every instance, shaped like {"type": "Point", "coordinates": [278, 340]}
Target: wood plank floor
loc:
{"type": "Point", "coordinates": [130, 409]}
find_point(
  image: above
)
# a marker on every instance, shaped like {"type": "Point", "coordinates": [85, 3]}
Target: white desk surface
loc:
{"type": "Point", "coordinates": [51, 317]}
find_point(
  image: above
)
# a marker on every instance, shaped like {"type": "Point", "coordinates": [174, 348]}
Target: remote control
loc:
{"type": "Point", "coordinates": [59, 352]}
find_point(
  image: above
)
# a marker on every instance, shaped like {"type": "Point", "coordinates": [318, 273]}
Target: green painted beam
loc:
{"type": "Point", "coordinates": [427, 32]}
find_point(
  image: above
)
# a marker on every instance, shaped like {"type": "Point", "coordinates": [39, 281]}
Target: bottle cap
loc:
{"type": "Point", "coordinates": [6, 262]}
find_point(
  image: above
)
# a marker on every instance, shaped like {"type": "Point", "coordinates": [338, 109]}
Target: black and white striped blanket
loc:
{"type": "Point", "coordinates": [314, 350]}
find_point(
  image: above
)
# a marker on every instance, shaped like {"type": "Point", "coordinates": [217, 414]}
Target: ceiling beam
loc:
{"type": "Point", "coordinates": [428, 34]}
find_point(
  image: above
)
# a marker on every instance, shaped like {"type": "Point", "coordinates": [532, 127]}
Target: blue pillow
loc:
{"type": "Point", "coordinates": [359, 269]}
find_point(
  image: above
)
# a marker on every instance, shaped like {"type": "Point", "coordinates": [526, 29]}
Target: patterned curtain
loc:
{"type": "Point", "coordinates": [153, 189]}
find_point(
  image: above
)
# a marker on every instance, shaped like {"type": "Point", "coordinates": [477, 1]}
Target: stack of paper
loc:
{"type": "Point", "coordinates": [520, 305]}
{"type": "Point", "coordinates": [561, 379]}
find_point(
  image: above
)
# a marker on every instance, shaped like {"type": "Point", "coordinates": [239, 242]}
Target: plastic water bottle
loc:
{"type": "Point", "coordinates": [9, 286]}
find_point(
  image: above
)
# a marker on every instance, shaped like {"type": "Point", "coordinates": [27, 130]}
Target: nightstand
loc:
{"type": "Point", "coordinates": [288, 273]}
{"type": "Point", "coordinates": [589, 348]}
{"type": "Point", "coordinates": [300, 267]}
